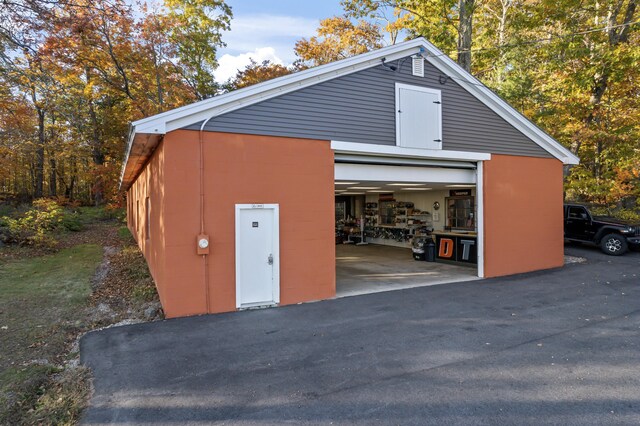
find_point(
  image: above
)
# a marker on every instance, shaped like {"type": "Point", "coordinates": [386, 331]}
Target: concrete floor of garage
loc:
{"type": "Point", "coordinates": [375, 268]}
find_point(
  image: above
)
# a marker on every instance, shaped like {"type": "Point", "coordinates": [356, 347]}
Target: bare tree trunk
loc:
{"type": "Point", "coordinates": [502, 36]}
{"type": "Point", "coordinates": [465, 28]}
{"type": "Point", "coordinates": [53, 177]}
{"type": "Point", "coordinates": [96, 150]}
{"type": "Point", "coordinates": [160, 92]}
{"type": "Point", "coordinates": [39, 165]}
{"type": "Point", "coordinates": [69, 189]}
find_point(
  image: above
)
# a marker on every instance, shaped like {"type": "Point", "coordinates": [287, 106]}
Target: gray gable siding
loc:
{"type": "Point", "coordinates": [360, 107]}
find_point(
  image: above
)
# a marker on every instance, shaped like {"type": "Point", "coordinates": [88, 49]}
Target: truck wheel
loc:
{"type": "Point", "coordinates": [614, 245]}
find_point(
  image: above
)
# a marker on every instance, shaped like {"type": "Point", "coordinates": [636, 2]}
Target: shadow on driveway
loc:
{"type": "Point", "coordinates": [555, 347]}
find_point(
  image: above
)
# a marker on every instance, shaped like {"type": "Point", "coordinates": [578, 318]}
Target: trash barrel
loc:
{"type": "Point", "coordinates": [430, 250]}
{"type": "Point", "coordinates": [418, 248]}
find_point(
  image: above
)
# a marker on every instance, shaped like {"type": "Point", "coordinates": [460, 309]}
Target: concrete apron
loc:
{"type": "Point", "coordinates": [375, 268]}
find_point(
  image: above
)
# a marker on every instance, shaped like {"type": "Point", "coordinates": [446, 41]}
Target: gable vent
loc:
{"type": "Point", "coordinates": [417, 66]}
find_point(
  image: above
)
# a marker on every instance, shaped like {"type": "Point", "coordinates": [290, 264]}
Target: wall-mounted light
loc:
{"type": "Point", "coordinates": [391, 67]}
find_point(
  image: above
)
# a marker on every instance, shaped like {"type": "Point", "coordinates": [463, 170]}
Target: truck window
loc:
{"type": "Point", "coordinates": [578, 213]}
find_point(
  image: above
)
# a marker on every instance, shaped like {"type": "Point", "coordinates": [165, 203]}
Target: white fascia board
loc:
{"type": "Point", "coordinates": [132, 133]}
{"type": "Point", "coordinates": [397, 151]}
{"type": "Point", "coordinates": [498, 105]}
{"type": "Point", "coordinates": [156, 127]}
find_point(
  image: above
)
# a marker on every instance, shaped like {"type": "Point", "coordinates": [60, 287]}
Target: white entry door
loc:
{"type": "Point", "coordinates": [257, 255]}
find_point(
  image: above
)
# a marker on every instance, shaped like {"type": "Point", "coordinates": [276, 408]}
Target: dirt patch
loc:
{"type": "Point", "coordinates": [123, 288]}
{"type": "Point", "coordinates": [104, 234]}
{"type": "Point", "coordinates": [105, 266]}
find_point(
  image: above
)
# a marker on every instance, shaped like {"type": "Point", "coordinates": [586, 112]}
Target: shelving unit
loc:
{"type": "Point", "coordinates": [398, 223]}
{"type": "Point", "coordinates": [371, 214]}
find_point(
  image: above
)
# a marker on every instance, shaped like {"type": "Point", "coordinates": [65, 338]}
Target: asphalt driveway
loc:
{"type": "Point", "coordinates": [556, 347]}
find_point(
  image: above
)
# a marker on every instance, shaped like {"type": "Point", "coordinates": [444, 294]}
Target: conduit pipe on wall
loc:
{"type": "Point", "coordinates": [204, 253]}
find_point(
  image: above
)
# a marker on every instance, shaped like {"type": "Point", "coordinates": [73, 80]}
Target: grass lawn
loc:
{"type": "Point", "coordinates": [42, 308]}
{"type": "Point", "coordinates": [86, 272]}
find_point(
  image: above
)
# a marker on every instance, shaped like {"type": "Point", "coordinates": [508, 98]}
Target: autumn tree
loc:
{"type": "Point", "coordinates": [572, 68]}
{"type": "Point", "coordinates": [83, 70]}
{"type": "Point", "coordinates": [589, 67]}
{"type": "Point", "coordinates": [21, 30]}
{"type": "Point", "coordinates": [447, 23]}
{"type": "Point", "coordinates": [338, 38]}
{"type": "Point", "coordinates": [257, 72]}
{"type": "Point", "coordinates": [384, 13]}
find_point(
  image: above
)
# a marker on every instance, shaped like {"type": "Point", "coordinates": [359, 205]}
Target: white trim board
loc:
{"type": "Point", "coordinates": [480, 216]}
{"type": "Point", "coordinates": [381, 173]}
{"type": "Point", "coordinates": [398, 151]}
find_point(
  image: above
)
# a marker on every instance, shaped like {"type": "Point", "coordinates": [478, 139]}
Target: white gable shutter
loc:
{"type": "Point", "coordinates": [418, 117]}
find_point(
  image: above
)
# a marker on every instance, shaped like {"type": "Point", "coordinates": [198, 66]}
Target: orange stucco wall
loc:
{"type": "Point", "coordinates": [523, 199]}
{"type": "Point", "coordinates": [150, 183]}
{"type": "Point", "coordinates": [522, 215]}
{"type": "Point", "coordinates": [297, 174]}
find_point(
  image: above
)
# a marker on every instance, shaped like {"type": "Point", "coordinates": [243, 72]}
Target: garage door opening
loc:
{"type": "Point", "coordinates": [402, 234]}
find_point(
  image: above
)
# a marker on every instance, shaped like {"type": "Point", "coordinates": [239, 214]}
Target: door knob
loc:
{"type": "Point", "coordinates": [270, 259]}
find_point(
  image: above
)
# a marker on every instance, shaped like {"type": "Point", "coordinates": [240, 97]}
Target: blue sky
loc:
{"type": "Point", "coordinates": [268, 29]}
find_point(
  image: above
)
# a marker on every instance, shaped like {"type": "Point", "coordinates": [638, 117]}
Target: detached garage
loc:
{"type": "Point", "coordinates": [334, 180]}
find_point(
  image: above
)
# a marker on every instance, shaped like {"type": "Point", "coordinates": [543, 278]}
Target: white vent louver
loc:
{"type": "Point", "coordinates": [417, 66]}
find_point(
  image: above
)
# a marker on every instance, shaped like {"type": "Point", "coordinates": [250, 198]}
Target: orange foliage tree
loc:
{"type": "Point", "coordinates": [74, 74]}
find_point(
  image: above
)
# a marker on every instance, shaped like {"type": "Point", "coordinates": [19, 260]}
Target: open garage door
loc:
{"type": "Point", "coordinates": [406, 222]}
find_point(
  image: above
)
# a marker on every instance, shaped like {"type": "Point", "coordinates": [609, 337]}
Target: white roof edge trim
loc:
{"type": "Point", "coordinates": [193, 113]}
{"type": "Point", "coordinates": [397, 151]}
{"type": "Point", "coordinates": [498, 105]}
{"type": "Point", "coordinates": [130, 138]}
{"type": "Point", "coordinates": [269, 89]}
{"type": "Point", "coordinates": [339, 68]}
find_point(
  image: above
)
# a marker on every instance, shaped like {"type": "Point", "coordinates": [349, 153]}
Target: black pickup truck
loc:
{"type": "Point", "coordinates": [612, 235]}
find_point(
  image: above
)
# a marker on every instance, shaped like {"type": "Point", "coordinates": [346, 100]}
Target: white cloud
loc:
{"type": "Point", "coordinates": [228, 64]}
{"type": "Point", "coordinates": [278, 31]}
{"type": "Point", "coordinates": [261, 37]}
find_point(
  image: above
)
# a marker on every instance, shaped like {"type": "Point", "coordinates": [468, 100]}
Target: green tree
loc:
{"type": "Point", "coordinates": [195, 27]}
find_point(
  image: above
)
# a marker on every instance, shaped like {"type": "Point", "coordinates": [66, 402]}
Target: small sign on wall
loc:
{"type": "Point", "coordinates": [459, 192]}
